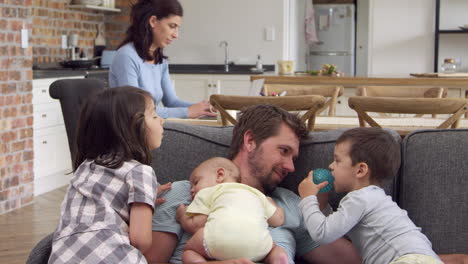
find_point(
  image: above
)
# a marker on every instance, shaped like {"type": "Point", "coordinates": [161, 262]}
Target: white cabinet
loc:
{"type": "Point", "coordinates": [197, 87]}
{"type": "Point", "coordinates": [52, 160]}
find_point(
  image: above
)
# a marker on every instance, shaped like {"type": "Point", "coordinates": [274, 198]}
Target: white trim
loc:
{"type": "Point", "coordinates": [51, 182]}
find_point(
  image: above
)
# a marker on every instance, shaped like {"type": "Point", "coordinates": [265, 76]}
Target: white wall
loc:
{"type": "Point", "coordinates": [241, 23]}
{"type": "Point", "coordinates": [402, 39]}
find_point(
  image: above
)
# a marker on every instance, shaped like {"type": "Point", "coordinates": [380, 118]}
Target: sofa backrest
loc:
{"type": "Point", "coordinates": [433, 186]}
{"type": "Point", "coordinates": [185, 146]}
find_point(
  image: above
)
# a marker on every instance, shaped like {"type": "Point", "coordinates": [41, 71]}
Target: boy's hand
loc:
{"type": "Point", "coordinates": [180, 213]}
{"type": "Point", "coordinates": [307, 187]}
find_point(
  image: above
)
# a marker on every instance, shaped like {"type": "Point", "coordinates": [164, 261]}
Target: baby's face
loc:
{"type": "Point", "coordinates": [201, 179]}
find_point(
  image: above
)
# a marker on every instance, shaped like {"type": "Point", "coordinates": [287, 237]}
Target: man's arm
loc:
{"type": "Point", "coordinates": [339, 251]}
{"type": "Point", "coordinates": [162, 247]}
{"type": "Point", "coordinates": [190, 223]}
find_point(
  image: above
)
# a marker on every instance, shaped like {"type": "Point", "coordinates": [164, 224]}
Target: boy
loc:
{"type": "Point", "coordinates": [364, 159]}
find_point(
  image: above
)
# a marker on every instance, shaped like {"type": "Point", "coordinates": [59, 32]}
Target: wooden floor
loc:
{"type": "Point", "coordinates": [21, 229]}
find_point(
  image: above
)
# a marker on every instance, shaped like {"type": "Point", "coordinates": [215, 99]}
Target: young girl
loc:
{"type": "Point", "coordinates": [107, 211]}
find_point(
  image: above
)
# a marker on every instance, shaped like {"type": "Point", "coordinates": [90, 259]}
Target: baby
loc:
{"type": "Point", "coordinates": [228, 219]}
{"type": "Point", "coordinates": [364, 158]}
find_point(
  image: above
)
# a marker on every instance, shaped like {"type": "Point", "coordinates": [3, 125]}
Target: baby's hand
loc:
{"type": "Point", "coordinates": [180, 213]}
{"type": "Point", "coordinates": [307, 187]}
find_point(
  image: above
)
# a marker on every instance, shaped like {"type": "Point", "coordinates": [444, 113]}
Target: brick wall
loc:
{"type": "Point", "coordinates": [52, 19]}
{"type": "Point", "coordinates": [117, 25]}
{"type": "Point", "coordinates": [46, 21]}
{"type": "Point", "coordinates": [16, 119]}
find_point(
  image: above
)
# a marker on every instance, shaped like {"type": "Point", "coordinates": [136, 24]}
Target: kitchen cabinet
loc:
{"type": "Point", "coordinates": [52, 160]}
{"type": "Point", "coordinates": [197, 87]}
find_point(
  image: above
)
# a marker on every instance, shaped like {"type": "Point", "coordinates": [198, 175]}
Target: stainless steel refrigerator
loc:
{"type": "Point", "coordinates": [335, 24]}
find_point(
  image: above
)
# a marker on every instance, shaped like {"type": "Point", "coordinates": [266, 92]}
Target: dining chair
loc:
{"type": "Point", "coordinates": [330, 91]}
{"type": "Point", "coordinates": [72, 94]}
{"type": "Point", "coordinates": [402, 91]}
{"type": "Point", "coordinates": [455, 107]}
{"type": "Point", "coordinates": [309, 103]}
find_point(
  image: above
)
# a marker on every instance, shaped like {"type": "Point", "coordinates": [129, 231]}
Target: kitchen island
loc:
{"type": "Point", "coordinates": [456, 87]}
{"type": "Point", "coordinates": [352, 82]}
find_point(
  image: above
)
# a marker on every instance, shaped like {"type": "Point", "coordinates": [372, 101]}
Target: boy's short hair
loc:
{"type": "Point", "coordinates": [375, 147]}
{"type": "Point", "coordinates": [220, 162]}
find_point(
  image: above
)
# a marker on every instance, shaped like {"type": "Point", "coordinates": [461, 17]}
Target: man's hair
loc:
{"type": "Point", "coordinates": [264, 121]}
{"type": "Point", "coordinates": [220, 162]}
{"type": "Point", "coordinates": [112, 129]}
{"type": "Point", "coordinates": [375, 147]}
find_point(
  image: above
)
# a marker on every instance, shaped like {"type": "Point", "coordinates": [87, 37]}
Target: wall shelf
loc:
{"type": "Point", "coordinates": [93, 7]}
{"type": "Point", "coordinates": [439, 32]}
{"type": "Point", "coordinates": [453, 31]}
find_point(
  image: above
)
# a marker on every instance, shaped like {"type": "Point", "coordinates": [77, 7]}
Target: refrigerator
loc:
{"type": "Point", "coordinates": [335, 25]}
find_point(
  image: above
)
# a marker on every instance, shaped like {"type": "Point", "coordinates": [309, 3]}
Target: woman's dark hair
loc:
{"type": "Point", "coordinates": [264, 121]}
{"type": "Point", "coordinates": [375, 147]}
{"type": "Point", "coordinates": [140, 32]}
{"type": "Point", "coordinates": [111, 128]}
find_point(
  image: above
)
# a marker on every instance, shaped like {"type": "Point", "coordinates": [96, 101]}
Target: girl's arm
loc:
{"type": "Point", "coordinates": [190, 223]}
{"type": "Point", "coordinates": [277, 219]}
{"type": "Point", "coordinates": [140, 232]}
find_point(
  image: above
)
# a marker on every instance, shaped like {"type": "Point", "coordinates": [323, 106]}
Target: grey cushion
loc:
{"type": "Point", "coordinates": [185, 146]}
{"type": "Point", "coordinates": [433, 186]}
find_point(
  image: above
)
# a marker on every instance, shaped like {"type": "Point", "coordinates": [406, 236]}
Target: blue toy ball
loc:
{"type": "Point", "coordinates": [321, 175]}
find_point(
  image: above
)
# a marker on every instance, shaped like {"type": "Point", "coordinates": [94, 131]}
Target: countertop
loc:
{"type": "Point", "coordinates": [59, 72]}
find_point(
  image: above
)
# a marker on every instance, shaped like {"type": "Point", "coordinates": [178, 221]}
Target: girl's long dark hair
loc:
{"type": "Point", "coordinates": [140, 32]}
{"type": "Point", "coordinates": [111, 128]}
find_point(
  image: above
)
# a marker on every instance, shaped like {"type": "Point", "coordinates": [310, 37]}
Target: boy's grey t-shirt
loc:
{"type": "Point", "coordinates": [380, 230]}
{"type": "Point", "coordinates": [291, 236]}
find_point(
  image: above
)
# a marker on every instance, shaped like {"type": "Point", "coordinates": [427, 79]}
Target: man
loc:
{"type": "Point", "coordinates": [264, 144]}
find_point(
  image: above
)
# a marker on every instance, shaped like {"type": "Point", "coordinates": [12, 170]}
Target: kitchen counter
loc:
{"type": "Point", "coordinates": [58, 72]}
{"type": "Point", "coordinates": [365, 81]}
{"type": "Point", "coordinates": [64, 73]}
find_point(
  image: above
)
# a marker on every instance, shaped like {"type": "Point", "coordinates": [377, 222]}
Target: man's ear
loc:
{"type": "Point", "coordinates": [220, 173]}
{"type": "Point", "coordinates": [249, 141]}
{"type": "Point", "coordinates": [362, 170]}
{"type": "Point", "coordinates": [152, 21]}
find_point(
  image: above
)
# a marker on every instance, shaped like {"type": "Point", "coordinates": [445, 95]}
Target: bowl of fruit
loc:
{"type": "Point", "coordinates": [327, 70]}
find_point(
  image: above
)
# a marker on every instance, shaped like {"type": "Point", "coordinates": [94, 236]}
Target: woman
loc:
{"type": "Point", "coordinates": [140, 61]}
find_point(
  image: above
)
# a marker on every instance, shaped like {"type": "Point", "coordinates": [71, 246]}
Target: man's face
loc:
{"type": "Point", "coordinates": [271, 161]}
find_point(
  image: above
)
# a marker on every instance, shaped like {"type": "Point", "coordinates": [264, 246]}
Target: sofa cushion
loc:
{"type": "Point", "coordinates": [185, 146]}
{"type": "Point", "coordinates": [433, 186]}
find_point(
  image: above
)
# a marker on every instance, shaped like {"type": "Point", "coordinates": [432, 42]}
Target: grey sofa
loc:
{"type": "Point", "coordinates": [432, 184]}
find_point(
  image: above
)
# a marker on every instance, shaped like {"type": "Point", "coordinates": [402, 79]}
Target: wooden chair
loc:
{"type": "Point", "coordinates": [310, 103]}
{"type": "Point", "coordinates": [364, 104]}
{"type": "Point", "coordinates": [330, 91]}
{"type": "Point", "coordinates": [402, 91]}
